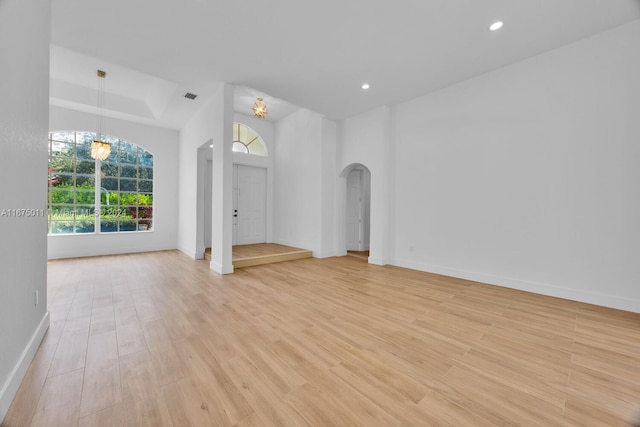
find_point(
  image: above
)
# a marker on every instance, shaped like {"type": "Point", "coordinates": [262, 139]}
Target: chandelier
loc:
{"type": "Point", "coordinates": [260, 109]}
{"type": "Point", "coordinates": [100, 149]}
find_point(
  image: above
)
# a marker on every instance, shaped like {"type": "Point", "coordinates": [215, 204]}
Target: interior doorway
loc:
{"type": "Point", "coordinates": [204, 200]}
{"type": "Point", "coordinates": [358, 209]}
{"type": "Point", "coordinates": [208, 204]}
{"type": "Point", "coordinates": [249, 205]}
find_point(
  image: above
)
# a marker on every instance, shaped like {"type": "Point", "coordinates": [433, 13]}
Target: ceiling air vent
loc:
{"type": "Point", "coordinates": [190, 95]}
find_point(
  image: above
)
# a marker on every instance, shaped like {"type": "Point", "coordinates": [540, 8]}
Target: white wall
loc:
{"type": "Point", "coordinates": [24, 85]}
{"type": "Point", "coordinates": [366, 139]}
{"type": "Point", "coordinates": [211, 125]}
{"type": "Point", "coordinates": [163, 144]}
{"type": "Point", "coordinates": [197, 132]}
{"type": "Point", "coordinates": [299, 184]}
{"type": "Point", "coordinates": [528, 176]}
{"type": "Point", "coordinates": [328, 184]}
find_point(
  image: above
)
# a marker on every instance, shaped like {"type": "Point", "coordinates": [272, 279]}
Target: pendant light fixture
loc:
{"type": "Point", "coordinates": [100, 149]}
{"type": "Point", "coordinates": [260, 109]}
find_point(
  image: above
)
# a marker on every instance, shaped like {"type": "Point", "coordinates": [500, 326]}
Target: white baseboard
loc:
{"type": "Point", "coordinates": [191, 254]}
{"type": "Point", "coordinates": [11, 385]}
{"type": "Point", "coordinates": [219, 268]}
{"type": "Point", "coordinates": [611, 301]}
{"type": "Point", "coordinates": [327, 254]}
{"type": "Point", "coordinates": [377, 261]}
{"type": "Point", "coordinates": [56, 252]}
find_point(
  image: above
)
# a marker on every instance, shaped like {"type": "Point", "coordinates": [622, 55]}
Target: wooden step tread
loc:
{"type": "Point", "coordinates": [263, 253]}
{"type": "Point", "coordinates": [270, 259]}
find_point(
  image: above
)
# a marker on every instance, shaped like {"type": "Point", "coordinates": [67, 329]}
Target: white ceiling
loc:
{"type": "Point", "coordinates": [297, 53]}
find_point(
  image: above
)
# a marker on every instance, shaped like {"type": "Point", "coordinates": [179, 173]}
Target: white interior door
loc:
{"type": "Point", "coordinates": [250, 205]}
{"type": "Point", "coordinates": [354, 210]}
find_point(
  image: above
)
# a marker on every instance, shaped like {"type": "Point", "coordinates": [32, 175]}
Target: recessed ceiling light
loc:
{"type": "Point", "coordinates": [211, 146]}
{"type": "Point", "coordinates": [496, 26]}
{"type": "Point", "coordinates": [365, 86]}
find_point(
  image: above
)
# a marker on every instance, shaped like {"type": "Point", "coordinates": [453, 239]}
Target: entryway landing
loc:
{"type": "Point", "coordinates": [262, 253]}
{"type": "Point", "coordinates": [363, 255]}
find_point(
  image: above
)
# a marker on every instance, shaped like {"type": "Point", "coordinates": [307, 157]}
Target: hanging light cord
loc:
{"type": "Point", "coordinates": [100, 108]}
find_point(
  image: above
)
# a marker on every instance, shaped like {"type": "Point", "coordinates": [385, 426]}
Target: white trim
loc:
{"type": "Point", "coordinates": [191, 254]}
{"type": "Point", "coordinates": [596, 298]}
{"type": "Point", "coordinates": [376, 261]}
{"type": "Point", "coordinates": [218, 268]}
{"type": "Point", "coordinates": [327, 254]}
{"type": "Point", "coordinates": [11, 385]}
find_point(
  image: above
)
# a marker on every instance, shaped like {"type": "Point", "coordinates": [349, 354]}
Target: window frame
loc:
{"type": "Point", "coordinates": [255, 138]}
{"type": "Point", "coordinates": [131, 218]}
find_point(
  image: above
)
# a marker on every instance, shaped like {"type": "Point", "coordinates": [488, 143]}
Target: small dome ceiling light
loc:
{"type": "Point", "coordinates": [496, 26]}
{"type": "Point", "coordinates": [365, 86]}
{"type": "Point", "coordinates": [260, 108]}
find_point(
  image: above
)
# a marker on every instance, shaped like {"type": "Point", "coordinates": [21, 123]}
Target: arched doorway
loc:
{"type": "Point", "coordinates": [204, 189]}
{"type": "Point", "coordinates": [357, 207]}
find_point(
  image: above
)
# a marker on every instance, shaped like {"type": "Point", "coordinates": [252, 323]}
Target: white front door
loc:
{"type": "Point", "coordinates": [354, 210]}
{"type": "Point", "coordinates": [249, 204]}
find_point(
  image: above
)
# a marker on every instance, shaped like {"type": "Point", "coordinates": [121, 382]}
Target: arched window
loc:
{"type": "Point", "coordinates": [91, 196]}
{"type": "Point", "coordinates": [246, 141]}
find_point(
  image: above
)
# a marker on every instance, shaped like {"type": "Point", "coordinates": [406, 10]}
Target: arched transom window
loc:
{"type": "Point", "coordinates": [93, 196]}
{"type": "Point", "coordinates": [246, 141]}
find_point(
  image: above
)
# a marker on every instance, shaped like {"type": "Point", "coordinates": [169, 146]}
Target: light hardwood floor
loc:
{"type": "Point", "coordinates": [157, 339]}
